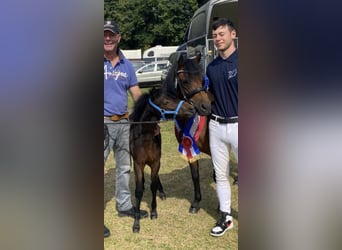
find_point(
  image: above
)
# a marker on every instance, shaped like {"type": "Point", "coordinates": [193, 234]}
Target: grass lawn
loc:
{"type": "Point", "coordinates": [175, 227]}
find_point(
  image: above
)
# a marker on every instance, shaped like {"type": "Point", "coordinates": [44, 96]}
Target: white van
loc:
{"type": "Point", "coordinates": [158, 53]}
{"type": "Point", "coordinates": [198, 36]}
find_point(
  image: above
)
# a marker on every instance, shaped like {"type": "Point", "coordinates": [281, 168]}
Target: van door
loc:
{"type": "Point", "coordinates": [199, 38]}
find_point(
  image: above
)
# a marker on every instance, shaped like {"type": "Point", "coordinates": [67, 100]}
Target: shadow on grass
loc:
{"type": "Point", "coordinates": [109, 185]}
{"type": "Point", "coordinates": [177, 184]}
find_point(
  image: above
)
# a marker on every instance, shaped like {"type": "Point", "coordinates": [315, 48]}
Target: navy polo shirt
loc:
{"type": "Point", "coordinates": [223, 77]}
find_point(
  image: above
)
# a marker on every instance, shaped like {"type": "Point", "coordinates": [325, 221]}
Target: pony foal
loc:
{"type": "Point", "coordinates": [145, 141]}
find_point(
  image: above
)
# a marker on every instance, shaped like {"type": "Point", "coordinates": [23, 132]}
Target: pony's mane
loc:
{"type": "Point", "coordinates": [139, 107]}
{"type": "Point", "coordinates": [142, 102]}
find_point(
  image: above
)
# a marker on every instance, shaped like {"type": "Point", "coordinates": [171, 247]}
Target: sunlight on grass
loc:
{"type": "Point", "coordinates": [175, 227]}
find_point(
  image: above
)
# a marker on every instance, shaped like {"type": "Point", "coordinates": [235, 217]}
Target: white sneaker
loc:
{"type": "Point", "coordinates": [222, 225]}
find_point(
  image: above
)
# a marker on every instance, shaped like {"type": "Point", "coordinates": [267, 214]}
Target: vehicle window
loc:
{"type": "Point", "coordinates": [198, 26]}
{"type": "Point", "coordinates": [161, 66]}
{"type": "Point", "coordinates": [137, 64]}
{"type": "Point", "coordinates": [148, 68]}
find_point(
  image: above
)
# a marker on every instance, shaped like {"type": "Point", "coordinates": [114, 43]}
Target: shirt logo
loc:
{"type": "Point", "coordinates": [114, 74]}
{"type": "Point", "coordinates": [232, 73]}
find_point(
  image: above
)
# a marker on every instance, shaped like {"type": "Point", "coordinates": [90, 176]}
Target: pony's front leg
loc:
{"type": "Point", "coordinates": [195, 207]}
{"type": "Point", "coordinates": [139, 191]}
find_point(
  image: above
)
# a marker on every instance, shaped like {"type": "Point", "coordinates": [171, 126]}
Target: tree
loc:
{"type": "Point", "coordinates": [146, 23]}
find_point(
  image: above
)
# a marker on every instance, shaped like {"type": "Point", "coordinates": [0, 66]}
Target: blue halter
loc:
{"type": "Point", "coordinates": [206, 83]}
{"type": "Point", "coordinates": [164, 112]}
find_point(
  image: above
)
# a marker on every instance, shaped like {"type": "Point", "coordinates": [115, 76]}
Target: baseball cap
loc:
{"type": "Point", "coordinates": [111, 26]}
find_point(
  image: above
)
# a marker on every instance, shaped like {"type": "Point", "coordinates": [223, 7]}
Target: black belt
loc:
{"type": "Point", "coordinates": [223, 119]}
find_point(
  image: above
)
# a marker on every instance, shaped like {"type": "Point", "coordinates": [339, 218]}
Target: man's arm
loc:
{"type": "Point", "coordinates": [135, 92]}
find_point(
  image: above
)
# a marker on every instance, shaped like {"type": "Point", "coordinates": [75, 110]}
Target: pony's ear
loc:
{"type": "Point", "coordinates": [180, 61]}
{"type": "Point", "coordinates": [197, 58]}
{"type": "Point", "coordinates": [173, 57]}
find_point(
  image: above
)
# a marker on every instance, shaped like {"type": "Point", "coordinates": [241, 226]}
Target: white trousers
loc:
{"type": "Point", "coordinates": [221, 137]}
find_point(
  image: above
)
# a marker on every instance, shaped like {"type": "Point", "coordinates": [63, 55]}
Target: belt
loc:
{"type": "Point", "coordinates": [221, 119]}
{"type": "Point", "coordinates": [116, 117]}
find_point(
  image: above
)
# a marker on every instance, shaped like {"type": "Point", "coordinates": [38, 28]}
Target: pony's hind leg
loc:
{"type": "Point", "coordinates": [236, 180]}
{"type": "Point", "coordinates": [162, 194]}
{"type": "Point", "coordinates": [143, 181]}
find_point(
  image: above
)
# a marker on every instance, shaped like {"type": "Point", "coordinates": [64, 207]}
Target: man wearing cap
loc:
{"type": "Point", "coordinates": [119, 77]}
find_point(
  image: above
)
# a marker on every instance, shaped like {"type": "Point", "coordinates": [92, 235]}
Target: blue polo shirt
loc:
{"type": "Point", "coordinates": [117, 80]}
{"type": "Point", "coordinates": [223, 77]}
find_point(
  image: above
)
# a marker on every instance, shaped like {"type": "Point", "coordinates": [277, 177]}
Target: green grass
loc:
{"type": "Point", "coordinates": [130, 100]}
{"type": "Point", "coordinates": [175, 227]}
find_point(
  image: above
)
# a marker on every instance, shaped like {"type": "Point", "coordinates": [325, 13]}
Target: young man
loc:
{"type": "Point", "coordinates": [119, 77]}
{"type": "Point", "coordinates": [223, 127]}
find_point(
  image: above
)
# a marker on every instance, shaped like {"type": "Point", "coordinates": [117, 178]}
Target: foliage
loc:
{"type": "Point", "coordinates": [146, 23]}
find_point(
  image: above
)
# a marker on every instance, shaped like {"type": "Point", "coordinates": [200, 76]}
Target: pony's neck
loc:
{"type": "Point", "coordinates": [183, 121]}
{"type": "Point", "coordinates": [151, 115]}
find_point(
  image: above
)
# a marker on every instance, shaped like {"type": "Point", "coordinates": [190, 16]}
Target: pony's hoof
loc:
{"type": "Point", "coordinates": [162, 196]}
{"type": "Point", "coordinates": [136, 229]}
{"type": "Point", "coordinates": [154, 215]}
{"type": "Point", "coordinates": [236, 180]}
{"type": "Point", "coordinates": [194, 210]}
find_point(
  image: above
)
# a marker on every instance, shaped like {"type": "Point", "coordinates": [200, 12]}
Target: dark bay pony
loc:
{"type": "Point", "coordinates": [145, 141]}
{"type": "Point", "coordinates": [185, 80]}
